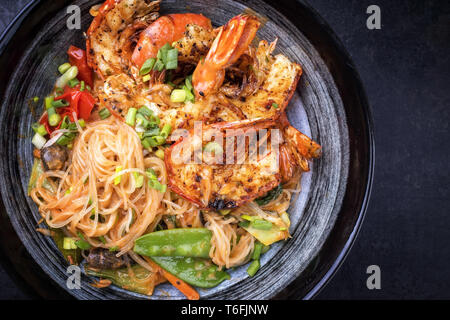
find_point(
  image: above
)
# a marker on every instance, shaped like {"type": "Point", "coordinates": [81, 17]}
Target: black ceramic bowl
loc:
{"type": "Point", "coordinates": [329, 105]}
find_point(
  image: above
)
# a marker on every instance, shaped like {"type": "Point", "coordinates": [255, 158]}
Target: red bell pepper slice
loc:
{"type": "Point", "coordinates": [77, 57]}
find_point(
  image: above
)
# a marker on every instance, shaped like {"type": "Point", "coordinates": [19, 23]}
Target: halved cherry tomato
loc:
{"type": "Point", "coordinates": [77, 57]}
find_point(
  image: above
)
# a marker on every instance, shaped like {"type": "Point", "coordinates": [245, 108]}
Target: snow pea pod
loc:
{"type": "Point", "coordinates": [184, 242]}
{"type": "Point", "coordinates": [122, 278]}
{"type": "Point", "coordinates": [198, 272]}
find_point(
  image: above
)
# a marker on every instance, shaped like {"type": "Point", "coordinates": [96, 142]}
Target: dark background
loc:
{"type": "Point", "coordinates": [406, 73]}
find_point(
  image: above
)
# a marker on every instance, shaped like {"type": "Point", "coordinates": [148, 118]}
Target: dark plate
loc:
{"type": "Point", "coordinates": [329, 105]}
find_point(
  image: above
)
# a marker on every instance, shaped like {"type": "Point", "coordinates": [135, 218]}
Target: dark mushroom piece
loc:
{"type": "Point", "coordinates": [54, 157]}
{"type": "Point", "coordinates": [104, 259]}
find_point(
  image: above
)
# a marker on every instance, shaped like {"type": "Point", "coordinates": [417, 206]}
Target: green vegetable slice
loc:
{"type": "Point", "coordinates": [184, 242]}
{"type": "Point", "coordinates": [271, 195]}
{"type": "Point", "coordinates": [195, 271]}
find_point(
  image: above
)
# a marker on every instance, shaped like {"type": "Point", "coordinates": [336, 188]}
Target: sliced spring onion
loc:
{"type": "Point", "coordinates": [60, 103]}
{"type": "Point", "coordinates": [82, 123]}
{"type": "Point", "coordinates": [275, 105]}
{"type": "Point", "coordinates": [72, 83]}
{"type": "Point", "coordinates": [147, 66]}
{"type": "Point", "coordinates": [159, 65]}
{"type": "Point", "coordinates": [248, 218]}
{"type": "Point", "coordinates": [155, 184]}
{"type": "Point", "coordinates": [146, 143]}
{"type": "Point", "coordinates": [113, 249]}
{"type": "Point", "coordinates": [130, 118]}
{"type": "Point", "coordinates": [68, 191]}
{"type": "Point", "coordinates": [36, 99]}
{"type": "Point", "coordinates": [151, 174]}
{"type": "Point", "coordinates": [261, 224]}
{"type": "Point", "coordinates": [117, 179]}
{"type": "Point", "coordinates": [166, 131]}
{"type": "Point", "coordinates": [178, 95]}
{"type": "Point", "coordinates": [70, 74]}
{"type": "Point", "coordinates": [146, 78]}
{"type": "Point", "coordinates": [69, 243]}
{"type": "Point", "coordinates": [104, 113]}
{"type": "Point", "coordinates": [160, 154]}
{"type": "Point", "coordinates": [38, 141]}
{"type": "Point", "coordinates": [253, 268]}
{"type": "Point", "coordinates": [82, 86]}
{"type": "Point", "coordinates": [188, 82]}
{"type": "Point", "coordinates": [257, 251]}
{"type": "Point", "coordinates": [53, 117]}
{"type": "Point", "coordinates": [48, 102]}
{"type": "Point", "coordinates": [65, 122]}
{"type": "Point", "coordinates": [189, 95]}
{"type": "Point", "coordinates": [64, 67]}
{"type": "Point", "coordinates": [159, 140]}
{"type": "Point", "coordinates": [171, 59]}
{"type": "Point", "coordinates": [139, 179]}
{"type": "Point", "coordinates": [144, 110]}
{"type": "Point", "coordinates": [39, 128]}
{"type": "Point", "coordinates": [142, 121]}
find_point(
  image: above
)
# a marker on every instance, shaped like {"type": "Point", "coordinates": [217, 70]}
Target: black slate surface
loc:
{"type": "Point", "coordinates": [406, 73]}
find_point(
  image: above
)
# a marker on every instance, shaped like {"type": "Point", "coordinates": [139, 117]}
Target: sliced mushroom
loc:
{"type": "Point", "coordinates": [54, 157]}
{"type": "Point", "coordinates": [104, 259]}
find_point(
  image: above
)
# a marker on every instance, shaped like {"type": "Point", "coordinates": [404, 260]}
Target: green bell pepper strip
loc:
{"type": "Point", "coordinates": [195, 271]}
{"type": "Point", "coordinates": [120, 277]}
{"type": "Point", "coordinates": [184, 242]}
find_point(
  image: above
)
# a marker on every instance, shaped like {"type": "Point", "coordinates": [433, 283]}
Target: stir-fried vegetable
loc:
{"type": "Point", "coordinates": [271, 195]}
{"type": "Point", "coordinates": [71, 254]}
{"type": "Point", "coordinates": [36, 172]}
{"type": "Point", "coordinates": [195, 271]}
{"type": "Point", "coordinates": [184, 242]}
{"type": "Point", "coordinates": [134, 280]}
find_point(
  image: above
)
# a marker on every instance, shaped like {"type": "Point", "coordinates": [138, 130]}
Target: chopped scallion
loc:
{"type": "Point", "coordinates": [72, 83]}
{"type": "Point", "coordinates": [130, 118]}
{"type": "Point", "coordinates": [178, 95]}
{"type": "Point", "coordinates": [38, 141]}
{"type": "Point", "coordinates": [160, 154]}
{"type": "Point", "coordinates": [69, 243]}
{"type": "Point", "coordinates": [147, 66]}
{"type": "Point", "coordinates": [60, 103]}
{"type": "Point", "coordinates": [118, 178]}
{"type": "Point", "coordinates": [48, 102]}
{"type": "Point", "coordinates": [70, 74]}
{"type": "Point", "coordinates": [253, 268]}
{"type": "Point", "coordinates": [64, 67]}
{"type": "Point", "coordinates": [104, 113]}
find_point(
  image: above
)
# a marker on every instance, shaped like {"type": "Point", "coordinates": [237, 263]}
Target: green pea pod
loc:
{"type": "Point", "coordinates": [195, 271]}
{"type": "Point", "coordinates": [121, 277]}
{"type": "Point", "coordinates": [182, 242]}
